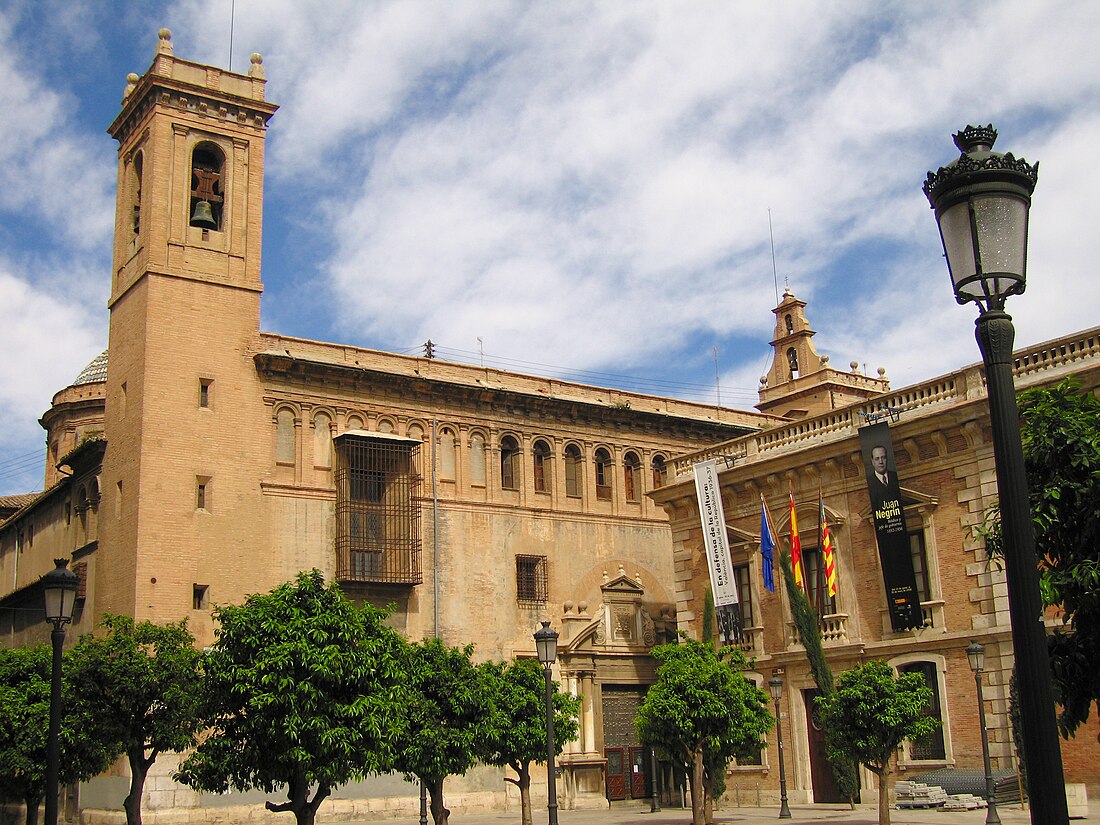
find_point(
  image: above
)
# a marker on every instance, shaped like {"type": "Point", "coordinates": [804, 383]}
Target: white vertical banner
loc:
{"type": "Point", "coordinates": [715, 541]}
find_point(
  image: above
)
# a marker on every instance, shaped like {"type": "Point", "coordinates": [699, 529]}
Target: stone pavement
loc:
{"type": "Point", "coordinates": [636, 812]}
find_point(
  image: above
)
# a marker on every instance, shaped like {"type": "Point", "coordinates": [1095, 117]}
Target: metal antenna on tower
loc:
{"type": "Point", "coordinates": [775, 275]}
{"type": "Point", "coordinates": [232, 20]}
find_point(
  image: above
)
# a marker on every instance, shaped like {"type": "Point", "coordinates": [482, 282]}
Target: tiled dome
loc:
{"type": "Point", "coordinates": [94, 373]}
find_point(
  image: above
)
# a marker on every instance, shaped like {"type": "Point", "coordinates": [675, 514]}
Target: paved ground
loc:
{"type": "Point", "coordinates": [623, 813]}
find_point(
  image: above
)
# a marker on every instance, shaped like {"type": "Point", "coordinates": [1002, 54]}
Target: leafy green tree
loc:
{"type": "Point", "coordinates": [871, 713]}
{"type": "Point", "coordinates": [702, 709]}
{"type": "Point", "coordinates": [1060, 429]}
{"type": "Point", "coordinates": [518, 733]}
{"type": "Point", "coordinates": [302, 690]}
{"type": "Point", "coordinates": [25, 674]}
{"type": "Point", "coordinates": [448, 717]}
{"type": "Point", "coordinates": [142, 681]}
{"type": "Point", "coordinates": [809, 633]}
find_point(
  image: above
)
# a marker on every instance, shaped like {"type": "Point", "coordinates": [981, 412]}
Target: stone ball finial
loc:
{"type": "Point", "coordinates": [763, 380]}
{"type": "Point", "coordinates": [131, 83]}
{"type": "Point", "coordinates": [165, 34]}
{"type": "Point", "coordinates": [882, 372]}
{"type": "Point", "coordinates": [164, 44]}
{"type": "Point", "coordinates": [854, 366]}
{"type": "Point", "coordinates": [257, 67]}
{"type": "Point", "coordinates": [825, 359]}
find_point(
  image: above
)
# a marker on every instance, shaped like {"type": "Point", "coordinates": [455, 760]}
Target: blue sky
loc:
{"type": "Point", "coordinates": [571, 188]}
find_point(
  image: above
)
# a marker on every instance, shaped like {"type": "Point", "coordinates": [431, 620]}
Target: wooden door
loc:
{"type": "Point", "coordinates": [616, 773]}
{"type": "Point", "coordinates": [639, 773]}
{"type": "Point", "coordinates": [821, 772]}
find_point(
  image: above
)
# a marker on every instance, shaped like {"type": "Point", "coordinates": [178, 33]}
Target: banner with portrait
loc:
{"type": "Point", "coordinates": [902, 597]}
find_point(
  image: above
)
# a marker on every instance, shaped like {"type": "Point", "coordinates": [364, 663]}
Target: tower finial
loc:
{"type": "Point", "coordinates": [164, 43]}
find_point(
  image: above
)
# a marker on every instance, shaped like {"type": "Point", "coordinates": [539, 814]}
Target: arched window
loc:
{"type": "Point", "coordinates": [632, 476]}
{"type": "Point", "coordinates": [540, 450]}
{"type": "Point", "coordinates": [207, 186]}
{"type": "Point", "coordinates": [446, 453]}
{"type": "Point", "coordinates": [385, 425]}
{"type": "Point", "coordinates": [660, 471]}
{"type": "Point", "coordinates": [603, 474]}
{"type": "Point", "coordinates": [792, 360]}
{"type": "Point", "coordinates": [416, 431]}
{"type": "Point", "coordinates": [355, 422]}
{"type": "Point", "coordinates": [285, 452]}
{"type": "Point", "coordinates": [135, 192]}
{"type": "Point", "coordinates": [322, 440]}
{"type": "Point", "coordinates": [789, 321]}
{"type": "Point", "coordinates": [573, 471]}
{"type": "Point", "coordinates": [477, 459]}
{"type": "Point", "coordinates": [509, 463]}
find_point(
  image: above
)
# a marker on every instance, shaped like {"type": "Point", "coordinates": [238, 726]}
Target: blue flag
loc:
{"type": "Point", "coordinates": [767, 545]}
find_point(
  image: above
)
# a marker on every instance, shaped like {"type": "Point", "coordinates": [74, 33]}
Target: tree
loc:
{"type": "Point", "coordinates": [809, 633]}
{"type": "Point", "coordinates": [302, 689]}
{"type": "Point", "coordinates": [25, 674]}
{"type": "Point", "coordinates": [448, 717]}
{"type": "Point", "coordinates": [702, 709]}
{"type": "Point", "coordinates": [871, 713]}
{"type": "Point", "coordinates": [141, 681]}
{"type": "Point", "coordinates": [518, 733]}
{"type": "Point", "coordinates": [1060, 430]}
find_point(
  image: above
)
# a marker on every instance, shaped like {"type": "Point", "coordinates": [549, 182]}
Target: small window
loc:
{"type": "Point", "coordinates": [540, 450]}
{"type": "Point", "coordinates": [322, 441]}
{"type": "Point", "coordinates": [509, 463]}
{"type": "Point", "coordinates": [920, 564]}
{"type": "Point", "coordinates": [660, 471]}
{"type": "Point", "coordinates": [477, 459]}
{"type": "Point", "coordinates": [204, 391]}
{"type": "Point", "coordinates": [573, 471]}
{"type": "Point", "coordinates": [135, 201]}
{"type": "Point", "coordinates": [931, 747]}
{"type": "Point", "coordinates": [603, 474]}
{"type": "Point", "coordinates": [632, 474]}
{"type": "Point", "coordinates": [744, 594]}
{"type": "Point", "coordinates": [198, 596]}
{"type": "Point", "coordinates": [531, 579]}
{"type": "Point", "coordinates": [446, 453]}
{"type": "Point", "coordinates": [202, 494]}
{"type": "Point", "coordinates": [285, 437]}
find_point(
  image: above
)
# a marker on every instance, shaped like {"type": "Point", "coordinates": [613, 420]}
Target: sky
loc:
{"type": "Point", "coordinates": [591, 190]}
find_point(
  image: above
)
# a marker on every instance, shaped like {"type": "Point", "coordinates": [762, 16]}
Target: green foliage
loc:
{"type": "Point", "coordinates": [517, 736]}
{"type": "Point", "coordinates": [141, 682]}
{"type": "Point", "coordinates": [702, 708]}
{"type": "Point", "coordinates": [871, 713]}
{"type": "Point", "coordinates": [1061, 439]}
{"type": "Point", "coordinates": [809, 632]}
{"type": "Point", "coordinates": [25, 674]}
{"type": "Point", "coordinates": [302, 689]}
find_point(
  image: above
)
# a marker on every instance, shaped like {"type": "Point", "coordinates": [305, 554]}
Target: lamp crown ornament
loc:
{"type": "Point", "coordinates": [976, 145]}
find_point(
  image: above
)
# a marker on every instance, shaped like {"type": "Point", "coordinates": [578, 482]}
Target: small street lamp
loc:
{"type": "Point", "coordinates": [981, 201]}
{"type": "Point", "coordinates": [546, 645]}
{"type": "Point", "coordinates": [976, 654]}
{"type": "Point", "coordinates": [775, 686]}
{"type": "Point", "coordinates": [59, 586]}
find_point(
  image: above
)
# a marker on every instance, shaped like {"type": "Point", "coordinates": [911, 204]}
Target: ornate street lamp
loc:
{"type": "Point", "coordinates": [976, 654]}
{"type": "Point", "coordinates": [981, 202]}
{"type": "Point", "coordinates": [546, 645]}
{"type": "Point", "coordinates": [775, 686]}
{"type": "Point", "coordinates": [60, 587]}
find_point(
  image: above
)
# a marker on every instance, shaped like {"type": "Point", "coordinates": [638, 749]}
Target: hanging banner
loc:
{"type": "Point", "coordinates": [902, 597]}
{"type": "Point", "coordinates": [727, 607]}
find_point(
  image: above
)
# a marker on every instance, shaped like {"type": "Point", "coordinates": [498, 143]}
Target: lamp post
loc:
{"type": "Point", "coordinates": [59, 586]}
{"type": "Point", "coordinates": [775, 686]}
{"type": "Point", "coordinates": [981, 202]}
{"type": "Point", "coordinates": [546, 645]}
{"type": "Point", "coordinates": [976, 654]}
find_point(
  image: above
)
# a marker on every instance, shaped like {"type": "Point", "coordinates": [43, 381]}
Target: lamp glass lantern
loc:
{"type": "Point", "coordinates": [982, 201]}
{"type": "Point", "coordinates": [546, 644]}
{"type": "Point", "coordinates": [775, 687]}
{"type": "Point", "coordinates": [60, 587]}
{"type": "Point", "coordinates": [975, 652]}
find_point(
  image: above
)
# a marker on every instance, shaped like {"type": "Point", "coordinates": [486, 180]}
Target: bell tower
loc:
{"type": "Point", "coordinates": [181, 411]}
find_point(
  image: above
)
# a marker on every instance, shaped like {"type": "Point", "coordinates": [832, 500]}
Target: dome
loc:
{"type": "Point", "coordinates": [94, 373]}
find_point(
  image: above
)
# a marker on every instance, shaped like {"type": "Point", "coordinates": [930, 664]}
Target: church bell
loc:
{"type": "Point", "coordinates": [203, 216]}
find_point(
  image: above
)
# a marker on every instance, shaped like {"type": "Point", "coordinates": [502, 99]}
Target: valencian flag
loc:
{"type": "Point", "coordinates": [796, 549]}
{"type": "Point", "coordinates": [826, 544]}
{"type": "Point", "coordinates": [767, 546]}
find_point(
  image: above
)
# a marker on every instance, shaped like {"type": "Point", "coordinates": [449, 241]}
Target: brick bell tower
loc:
{"type": "Point", "coordinates": [184, 427]}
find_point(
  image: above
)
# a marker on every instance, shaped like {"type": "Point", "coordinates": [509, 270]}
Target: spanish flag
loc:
{"type": "Point", "coordinates": [827, 555]}
{"type": "Point", "coordinates": [796, 549]}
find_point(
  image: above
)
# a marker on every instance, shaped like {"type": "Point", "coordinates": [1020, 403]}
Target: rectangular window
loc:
{"type": "Point", "coordinates": [202, 494]}
{"type": "Point", "coordinates": [920, 564]}
{"type": "Point", "coordinates": [377, 509]}
{"type": "Point", "coordinates": [823, 603]}
{"type": "Point", "coordinates": [204, 391]}
{"type": "Point", "coordinates": [744, 593]}
{"type": "Point", "coordinates": [531, 579]}
{"type": "Point", "coordinates": [931, 746]}
{"type": "Point", "coordinates": [198, 596]}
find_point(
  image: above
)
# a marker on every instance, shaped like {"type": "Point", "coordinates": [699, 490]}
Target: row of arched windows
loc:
{"type": "Point", "coordinates": [511, 457]}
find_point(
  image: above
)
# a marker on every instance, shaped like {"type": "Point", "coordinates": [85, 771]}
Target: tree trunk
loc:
{"type": "Point", "coordinates": [524, 784]}
{"type": "Point", "coordinates": [139, 769]}
{"type": "Point", "coordinates": [298, 801]}
{"type": "Point", "coordinates": [440, 813]}
{"type": "Point", "coordinates": [884, 795]}
{"type": "Point", "coordinates": [32, 803]}
{"type": "Point", "coordinates": [698, 788]}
